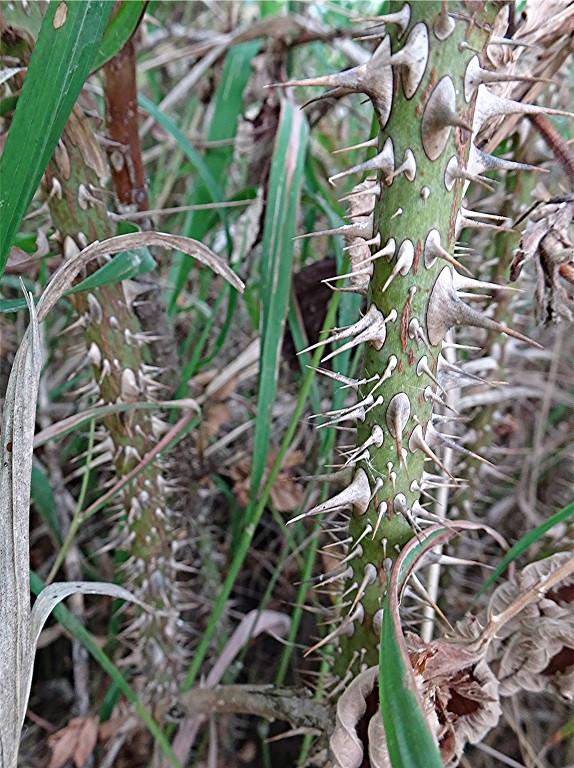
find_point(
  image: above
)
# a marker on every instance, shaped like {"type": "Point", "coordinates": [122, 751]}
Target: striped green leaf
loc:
{"type": "Point", "coordinates": [277, 260]}
{"type": "Point", "coordinates": [409, 741]}
{"type": "Point", "coordinates": [62, 59]}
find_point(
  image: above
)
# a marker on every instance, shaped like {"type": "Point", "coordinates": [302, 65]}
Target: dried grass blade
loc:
{"type": "Point", "coordinates": [15, 474]}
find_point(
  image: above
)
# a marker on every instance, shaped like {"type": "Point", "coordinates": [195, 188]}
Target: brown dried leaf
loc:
{"type": "Point", "coordinates": [76, 740]}
{"type": "Point", "coordinates": [537, 644]}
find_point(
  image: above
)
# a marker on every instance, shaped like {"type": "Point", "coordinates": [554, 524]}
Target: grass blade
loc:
{"type": "Point", "coordinates": [227, 106]}
{"type": "Point", "coordinates": [277, 261]}
{"type": "Point", "coordinates": [522, 544]}
{"type": "Point", "coordinates": [409, 741]}
{"type": "Point", "coordinates": [119, 30]}
{"type": "Point", "coordinates": [61, 61]}
{"type": "Point", "coordinates": [15, 476]}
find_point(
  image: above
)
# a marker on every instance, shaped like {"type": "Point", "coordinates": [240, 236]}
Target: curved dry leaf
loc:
{"type": "Point", "coordinates": [345, 745]}
{"type": "Point", "coordinates": [540, 661]}
{"type": "Point", "coordinates": [19, 625]}
{"type": "Point", "coordinates": [537, 644]}
{"type": "Point", "coordinates": [65, 275]}
{"type": "Point", "coordinates": [528, 580]}
{"type": "Point", "coordinates": [15, 475]}
{"type": "Point", "coordinates": [459, 689]}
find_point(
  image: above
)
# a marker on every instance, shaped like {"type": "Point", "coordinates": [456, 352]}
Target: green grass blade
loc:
{"type": "Point", "coordinates": [123, 266]}
{"type": "Point", "coordinates": [276, 264]}
{"type": "Point", "coordinates": [193, 156]}
{"type": "Point", "coordinates": [522, 544]}
{"type": "Point", "coordinates": [241, 551]}
{"type": "Point", "coordinates": [60, 63]}
{"type": "Point", "coordinates": [409, 741]}
{"type": "Point", "coordinates": [119, 30]}
{"type": "Point", "coordinates": [227, 106]}
{"type": "Point", "coordinates": [75, 628]}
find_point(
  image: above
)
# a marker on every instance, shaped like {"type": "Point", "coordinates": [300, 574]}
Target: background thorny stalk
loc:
{"type": "Point", "coordinates": [189, 518]}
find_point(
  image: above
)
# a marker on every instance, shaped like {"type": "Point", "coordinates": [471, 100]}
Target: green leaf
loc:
{"type": "Point", "coordinates": [409, 741]}
{"type": "Point", "coordinates": [227, 106]}
{"type": "Point", "coordinates": [43, 498]}
{"type": "Point", "coordinates": [62, 59]}
{"type": "Point", "coordinates": [276, 264]}
{"type": "Point", "coordinates": [522, 544]}
{"type": "Point", "coordinates": [119, 30]}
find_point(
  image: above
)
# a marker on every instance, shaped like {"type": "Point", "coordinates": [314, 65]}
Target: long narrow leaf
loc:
{"type": "Point", "coordinates": [522, 544]}
{"type": "Point", "coordinates": [123, 266]}
{"type": "Point", "coordinates": [61, 61]}
{"type": "Point", "coordinates": [409, 741]}
{"type": "Point", "coordinates": [15, 476]}
{"type": "Point", "coordinates": [119, 30]}
{"type": "Point", "coordinates": [277, 260]}
{"type": "Point", "coordinates": [70, 623]}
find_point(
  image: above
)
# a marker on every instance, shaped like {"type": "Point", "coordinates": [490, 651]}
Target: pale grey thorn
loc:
{"type": "Point", "coordinates": [345, 380]}
{"type": "Point", "coordinates": [439, 116]}
{"type": "Point", "coordinates": [408, 167]}
{"type": "Point", "coordinates": [461, 283]}
{"type": "Point", "coordinates": [381, 512]}
{"type": "Point", "coordinates": [405, 259]}
{"type": "Point", "coordinates": [371, 143]}
{"type": "Point", "coordinates": [469, 213]}
{"type": "Point", "coordinates": [401, 18]}
{"type": "Point", "coordinates": [361, 227]}
{"type": "Point", "coordinates": [475, 75]}
{"type": "Point", "coordinates": [423, 368]}
{"type": "Point", "coordinates": [400, 506]}
{"type": "Point", "coordinates": [356, 412]}
{"type": "Point", "coordinates": [341, 573]}
{"type": "Point", "coordinates": [344, 627]}
{"type": "Point", "coordinates": [356, 495]}
{"type": "Point", "coordinates": [375, 190]}
{"type": "Point", "coordinates": [375, 79]}
{"type": "Point", "coordinates": [387, 373]}
{"type": "Point", "coordinates": [379, 483]}
{"type": "Point", "coordinates": [355, 273]}
{"type": "Point", "coordinates": [368, 579]}
{"type": "Point", "coordinates": [412, 59]}
{"type": "Point", "coordinates": [388, 250]}
{"type": "Point", "coordinates": [437, 438]}
{"type": "Point", "coordinates": [479, 162]}
{"type": "Point", "coordinates": [375, 438]}
{"type": "Point", "coordinates": [455, 171]}
{"type": "Point", "coordinates": [445, 310]}
{"type": "Point", "coordinates": [374, 333]}
{"type": "Point", "coordinates": [433, 250]}
{"type": "Point", "coordinates": [371, 318]}
{"type": "Point", "coordinates": [95, 312]}
{"type": "Point", "coordinates": [356, 552]}
{"type": "Point", "coordinates": [425, 193]}
{"type": "Point", "coordinates": [397, 416]}
{"type": "Point", "coordinates": [418, 443]}
{"type": "Point", "coordinates": [378, 621]}
{"type": "Point", "coordinates": [444, 24]}
{"type": "Point", "coordinates": [376, 241]}
{"type": "Point", "coordinates": [488, 105]}
{"type": "Point", "coordinates": [464, 222]}
{"type": "Point", "coordinates": [384, 161]}
{"type": "Point", "coordinates": [95, 355]}
{"type": "Point", "coordinates": [430, 395]}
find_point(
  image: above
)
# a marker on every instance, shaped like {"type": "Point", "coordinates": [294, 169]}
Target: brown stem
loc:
{"type": "Point", "coordinates": [557, 145]}
{"type": "Point", "coordinates": [291, 706]}
{"type": "Point", "coordinates": [121, 106]}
